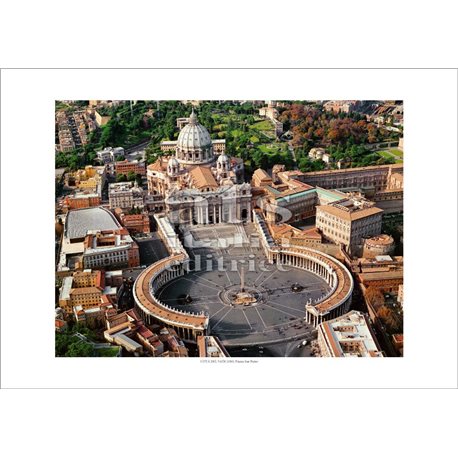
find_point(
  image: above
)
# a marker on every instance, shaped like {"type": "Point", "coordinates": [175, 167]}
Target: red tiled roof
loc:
{"type": "Point", "coordinates": [133, 314]}
{"type": "Point", "coordinates": [203, 177]}
{"type": "Point", "coordinates": [145, 332]}
{"type": "Point", "coordinates": [398, 338]}
{"type": "Point", "coordinates": [105, 300]}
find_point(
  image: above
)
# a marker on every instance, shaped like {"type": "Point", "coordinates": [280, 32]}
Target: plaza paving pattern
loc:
{"type": "Point", "coordinates": [277, 317]}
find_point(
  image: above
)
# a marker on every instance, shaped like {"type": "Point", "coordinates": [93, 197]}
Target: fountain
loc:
{"type": "Point", "coordinates": [296, 287]}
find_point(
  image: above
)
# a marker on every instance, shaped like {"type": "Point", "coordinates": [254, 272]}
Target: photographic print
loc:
{"type": "Point", "coordinates": [229, 228]}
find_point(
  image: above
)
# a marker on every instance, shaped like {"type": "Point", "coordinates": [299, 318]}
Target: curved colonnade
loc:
{"type": "Point", "coordinates": [331, 305]}
{"type": "Point", "coordinates": [188, 325]}
{"type": "Point", "coordinates": [334, 303]}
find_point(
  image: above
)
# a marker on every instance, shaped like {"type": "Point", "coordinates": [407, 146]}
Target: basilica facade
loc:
{"type": "Point", "coordinates": [194, 185]}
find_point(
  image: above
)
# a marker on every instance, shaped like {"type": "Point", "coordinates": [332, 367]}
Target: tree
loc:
{"type": "Point", "coordinates": [131, 176]}
{"type": "Point", "coordinates": [305, 164]}
{"type": "Point", "coordinates": [106, 135]}
{"type": "Point", "coordinates": [80, 348]}
{"type": "Point", "coordinates": [85, 331]}
{"type": "Point", "coordinates": [135, 211]}
{"type": "Point", "coordinates": [62, 341]}
{"type": "Point", "coordinates": [90, 157]}
{"type": "Point", "coordinates": [73, 162]}
{"type": "Point", "coordinates": [81, 103]}
{"type": "Point", "coordinates": [153, 151]}
{"type": "Point", "coordinates": [260, 159]}
{"type": "Point", "coordinates": [372, 133]}
{"type": "Point", "coordinates": [374, 297]}
{"type": "Point", "coordinates": [121, 177]}
{"type": "Point", "coordinates": [389, 318]}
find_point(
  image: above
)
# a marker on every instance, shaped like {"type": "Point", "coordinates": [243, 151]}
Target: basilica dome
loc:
{"type": "Point", "coordinates": [194, 145]}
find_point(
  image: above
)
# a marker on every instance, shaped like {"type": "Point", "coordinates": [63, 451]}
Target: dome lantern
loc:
{"type": "Point", "coordinates": [193, 118]}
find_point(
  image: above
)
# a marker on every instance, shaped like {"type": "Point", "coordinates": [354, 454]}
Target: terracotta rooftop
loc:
{"type": "Point", "coordinates": [330, 338]}
{"type": "Point", "coordinates": [398, 338]}
{"type": "Point", "coordinates": [202, 177]}
{"type": "Point", "coordinates": [384, 275]}
{"type": "Point", "coordinates": [86, 290]}
{"type": "Point", "coordinates": [295, 187]}
{"type": "Point", "coordinates": [350, 215]}
{"type": "Point", "coordinates": [105, 300]}
{"type": "Point", "coordinates": [279, 229]}
{"type": "Point", "coordinates": [257, 191]}
{"type": "Point", "coordinates": [393, 167]}
{"type": "Point", "coordinates": [117, 317]}
{"type": "Point", "coordinates": [133, 314]}
{"type": "Point", "coordinates": [120, 327]}
{"type": "Point", "coordinates": [299, 184]}
{"type": "Point", "coordinates": [145, 332]}
{"type": "Point", "coordinates": [383, 239]}
{"type": "Point", "coordinates": [261, 174]}
{"type": "Point", "coordinates": [129, 218]}
{"type": "Point", "coordinates": [60, 323]}
{"type": "Point", "coordinates": [286, 230]}
{"type": "Point", "coordinates": [202, 346]}
{"type": "Point", "coordinates": [98, 274]}
{"type": "Point", "coordinates": [312, 233]}
{"type": "Point", "coordinates": [158, 166]}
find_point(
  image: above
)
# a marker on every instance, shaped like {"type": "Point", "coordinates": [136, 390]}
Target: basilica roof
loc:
{"type": "Point", "coordinates": [157, 166]}
{"type": "Point", "coordinates": [202, 177]}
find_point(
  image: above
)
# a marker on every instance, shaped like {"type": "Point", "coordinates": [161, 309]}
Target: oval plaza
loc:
{"type": "Point", "coordinates": [300, 288]}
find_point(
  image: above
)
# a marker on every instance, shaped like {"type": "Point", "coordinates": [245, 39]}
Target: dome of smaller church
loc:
{"type": "Point", "coordinates": [173, 162]}
{"type": "Point", "coordinates": [173, 166]}
{"type": "Point", "coordinates": [222, 158]}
